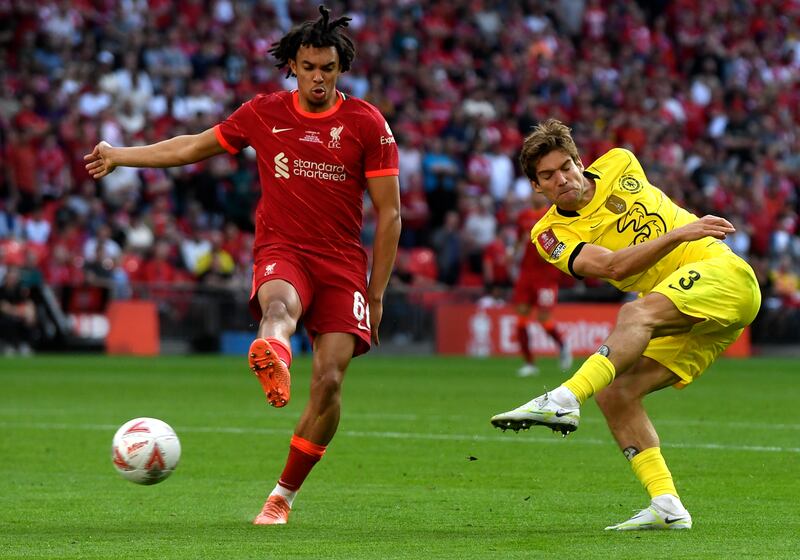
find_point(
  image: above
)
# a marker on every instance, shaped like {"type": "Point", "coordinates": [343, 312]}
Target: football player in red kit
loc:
{"type": "Point", "coordinates": [318, 151]}
{"type": "Point", "coordinates": [536, 287]}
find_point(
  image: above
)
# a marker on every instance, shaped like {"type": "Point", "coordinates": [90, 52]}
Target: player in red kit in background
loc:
{"type": "Point", "coordinates": [536, 287]}
{"type": "Point", "coordinates": [318, 150]}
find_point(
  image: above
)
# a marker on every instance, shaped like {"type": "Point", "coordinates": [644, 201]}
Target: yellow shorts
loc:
{"type": "Point", "coordinates": [724, 292]}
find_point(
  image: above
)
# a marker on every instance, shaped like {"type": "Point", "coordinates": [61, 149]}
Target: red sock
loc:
{"type": "Point", "coordinates": [283, 351]}
{"type": "Point", "coordinates": [550, 328]}
{"type": "Point", "coordinates": [524, 342]}
{"type": "Point", "coordinates": [303, 455]}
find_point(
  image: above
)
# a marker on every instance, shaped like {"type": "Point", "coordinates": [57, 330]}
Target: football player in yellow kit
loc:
{"type": "Point", "coordinates": [696, 296]}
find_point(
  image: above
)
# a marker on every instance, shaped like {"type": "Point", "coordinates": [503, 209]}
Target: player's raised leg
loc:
{"type": "Point", "coordinates": [637, 323]}
{"type": "Point", "coordinates": [621, 404]}
{"type": "Point", "coordinates": [270, 355]}
{"type": "Point", "coordinates": [316, 427]}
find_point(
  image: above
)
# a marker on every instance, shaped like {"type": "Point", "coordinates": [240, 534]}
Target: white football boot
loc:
{"type": "Point", "coordinates": [528, 370]}
{"type": "Point", "coordinates": [664, 512]}
{"type": "Point", "coordinates": [553, 410]}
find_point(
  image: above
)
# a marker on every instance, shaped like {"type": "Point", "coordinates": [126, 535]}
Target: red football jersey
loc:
{"type": "Point", "coordinates": [313, 168]}
{"type": "Point", "coordinates": [532, 263]}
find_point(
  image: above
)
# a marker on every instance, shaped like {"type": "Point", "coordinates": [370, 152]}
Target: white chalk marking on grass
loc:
{"type": "Point", "coordinates": [410, 417]}
{"type": "Point", "coordinates": [506, 438]}
{"type": "Point", "coordinates": [399, 417]}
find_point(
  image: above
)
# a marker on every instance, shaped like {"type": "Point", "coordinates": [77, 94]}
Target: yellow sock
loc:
{"type": "Point", "coordinates": [651, 470]}
{"type": "Point", "coordinates": [596, 373]}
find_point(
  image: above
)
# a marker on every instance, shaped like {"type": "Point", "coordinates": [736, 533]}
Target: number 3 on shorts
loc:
{"type": "Point", "coordinates": [361, 311]}
{"type": "Point", "coordinates": [688, 281]}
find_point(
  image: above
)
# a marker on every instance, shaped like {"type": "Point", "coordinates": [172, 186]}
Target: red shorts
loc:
{"type": "Point", "coordinates": [530, 290]}
{"type": "Point", "coordinates": [332, 292]}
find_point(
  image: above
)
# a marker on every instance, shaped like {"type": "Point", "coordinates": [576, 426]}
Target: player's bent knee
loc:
{"type": "Point", "coordinates": [277, 311]}
{"type": "Point", "coordinates": [638, 313]}
{"type": "Point", "coordinates": [326, 386]}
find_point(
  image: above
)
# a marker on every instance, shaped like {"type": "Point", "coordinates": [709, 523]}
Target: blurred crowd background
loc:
{"type": "Point", "coordinates": [706, 94]}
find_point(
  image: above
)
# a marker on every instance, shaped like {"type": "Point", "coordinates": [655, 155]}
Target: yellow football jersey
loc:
{"type": "Point", "coordinates": [625, 210]}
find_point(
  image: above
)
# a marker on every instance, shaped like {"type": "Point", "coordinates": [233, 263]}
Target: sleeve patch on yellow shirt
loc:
{"type": "Point", "coordinates": [548, 241]}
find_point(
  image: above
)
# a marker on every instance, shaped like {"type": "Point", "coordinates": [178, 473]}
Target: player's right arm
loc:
{"type": "Point", "coordinates": [180, 150]}
{"type": "Point", "coordinates": [598, 262]}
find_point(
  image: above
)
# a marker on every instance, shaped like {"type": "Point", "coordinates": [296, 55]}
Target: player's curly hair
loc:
{"type": "Point", "coordinates": [550, 135]}
{"type": "Point", "coordinates": [319, 33]}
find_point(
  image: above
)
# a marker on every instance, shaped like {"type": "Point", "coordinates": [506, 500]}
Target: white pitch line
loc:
{"type": "Point", "coordinates": [506, 438]}
{"type": "Point", "coordinates": [408, 417]}
{"type": "Point", "coordinates": [401, 417]}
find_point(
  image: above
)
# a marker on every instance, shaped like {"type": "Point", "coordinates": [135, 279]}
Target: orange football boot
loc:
{"type": "Point", "coordinates": [275, 512]}
{"type": "Point", "coordinates": [271, 372]}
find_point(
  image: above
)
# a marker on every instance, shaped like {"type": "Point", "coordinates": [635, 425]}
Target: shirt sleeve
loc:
{"type": "Point", "coordinates": [558, 246]}
{"type": "Point", "coordinates": [380, 157]}
{"type": "Point", "coordinates": [233, 133]}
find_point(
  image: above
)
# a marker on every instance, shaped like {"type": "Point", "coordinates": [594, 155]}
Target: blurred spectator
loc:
{"type": "Point", "coordinates": [21, 161]}
{"type": "Point", "coordinates": [130, 83]}
{"type": "Point", "coordinates": [440, 170]}
{"type": "Point", "coordinates": [216, 264]}
{"type": "Point", "coordinates": [739, 241]}
{"type": "Point", "coordinates": [158, 268]}
{"type": "Point", "coordinates": [17, 315]}
{"type": "Point", "coordinates": [92, 100]}
{"type": "Point", "coordinates": [53, 170]}
{"type": "Point", "coordinates": [11, 223]}
{"type": "Point", "coordinates": [111, 248]}
{"type": "Point", "coordinates": [415, 214]}
{"type": "Point", "coordinates": [138, 236]}
{"type": "Point", "coordinates": [103, 271]}
{"type": "Point", "coordinates": [236, 244]}
{"type": "Point", "coordinates": [37, 227]}
{"type": "Point", "coordinates": [193, 246]}
{"type": "Point", "coordinates": [498, 260]}
{"type": "Point", "coordinates": [410, 162]}
{"type": "Point", "coordinates": [787, 283]}
{"type": "Point", "coordinates": [501, 172]}
{"type": "Point", "coordinates": [480, 227]}
{"type": "Point", "coordinates": [446, 241]}
{"type": "Point", "coordinates": [130, 120]}
{"type": "Point", "coordinates": [61, 268]}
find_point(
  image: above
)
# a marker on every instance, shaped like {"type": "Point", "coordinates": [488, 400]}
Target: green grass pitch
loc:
{"type": "Point", "coordinates": [416, 470]}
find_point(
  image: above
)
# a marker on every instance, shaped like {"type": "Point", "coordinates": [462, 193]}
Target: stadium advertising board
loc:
{"type": "Point", "coordinates": [467, 329]}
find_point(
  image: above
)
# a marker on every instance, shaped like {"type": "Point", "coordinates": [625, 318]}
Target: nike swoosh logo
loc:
{"type": "Point", "coordinates": [277, 130]}
{"type": "Point", "coordinates": [560, 413]}
{"type": "Point", "coordinates": [671, 520]}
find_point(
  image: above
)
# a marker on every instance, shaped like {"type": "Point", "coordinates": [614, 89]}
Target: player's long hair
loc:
{"type": "Point", "coordinates": [319, 33]}
{"type": "Point", "coordinates": [550, 135]}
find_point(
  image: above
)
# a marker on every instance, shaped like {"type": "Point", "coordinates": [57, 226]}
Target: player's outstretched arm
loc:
{"type": "Point", "coordinates": [385, 195]}
{"type": "Point", "coordinates": [179, 150]}
{"type": "Point", "coordinates": [598, 262]}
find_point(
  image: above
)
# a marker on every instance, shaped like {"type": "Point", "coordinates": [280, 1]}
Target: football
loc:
{"type": "Point", "coordinates": [145, 450]}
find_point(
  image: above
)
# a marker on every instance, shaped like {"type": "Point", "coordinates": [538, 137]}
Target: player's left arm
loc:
{"type": "Point", "coordinates": [598, 262]}
{"type": "Point", "coordinates": [385, 195]}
